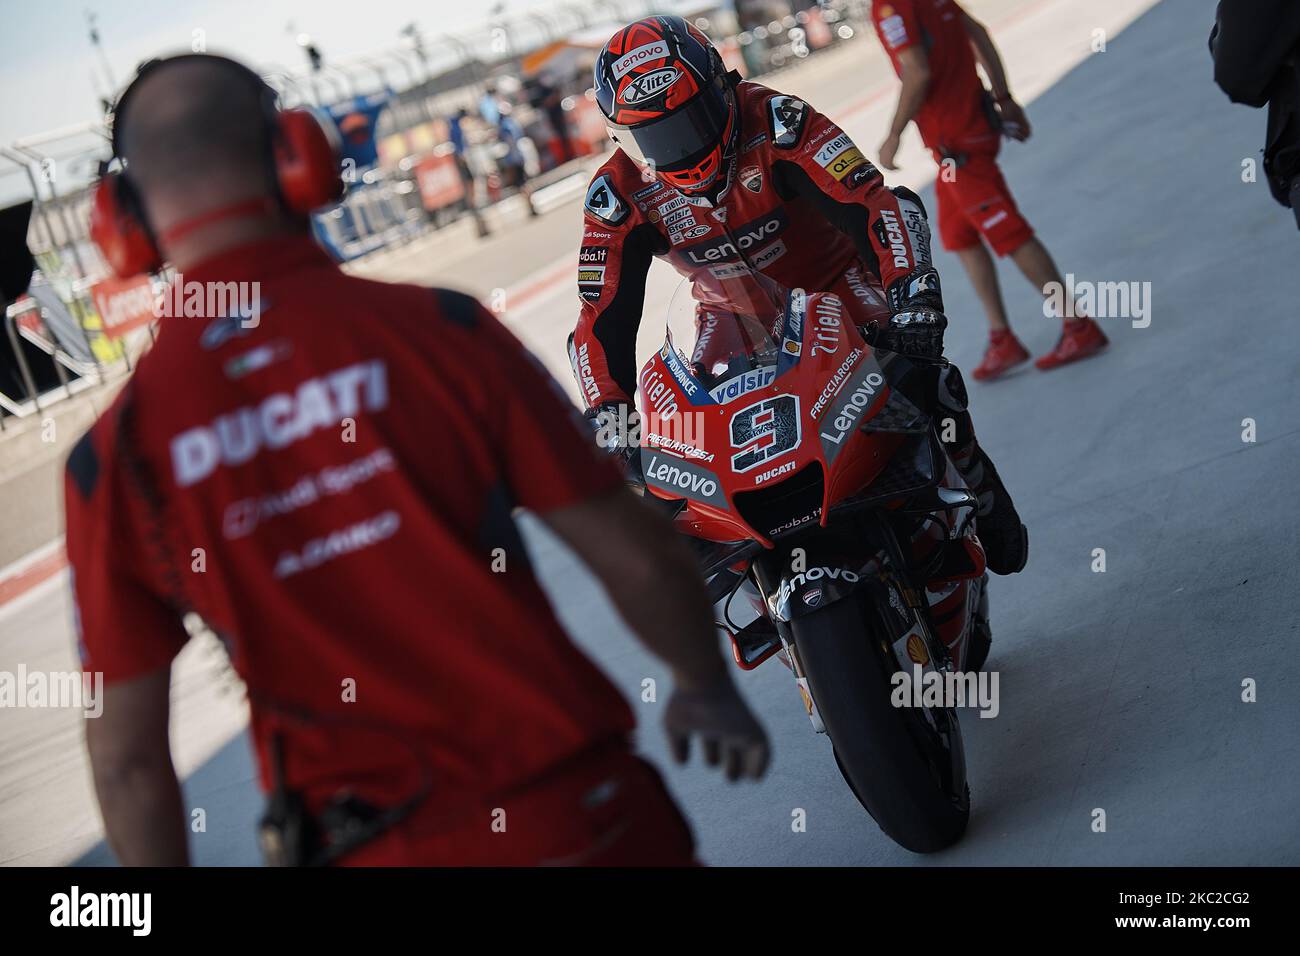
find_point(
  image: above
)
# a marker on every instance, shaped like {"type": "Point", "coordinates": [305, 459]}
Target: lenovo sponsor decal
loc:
{"type": "Point", "coordinates": [752, 233]}
{"type": "Point", "coordinates": [642, 54]}
{"type": "Point", "coordinates": [788, 587]}
{"type": "Point", "coordinates": [685, 479]}
{"type": "Point", "coordinates": [849, 409]}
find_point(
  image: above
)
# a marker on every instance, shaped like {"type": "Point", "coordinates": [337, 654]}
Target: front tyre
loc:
{"type": "Point", "coordinates": [908, 770]}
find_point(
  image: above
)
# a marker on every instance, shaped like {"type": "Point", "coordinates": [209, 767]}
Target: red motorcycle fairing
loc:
{"type": "Point", "coordinates": [801, 418]}
{"type": "Point", "coordinates": [824, 420]}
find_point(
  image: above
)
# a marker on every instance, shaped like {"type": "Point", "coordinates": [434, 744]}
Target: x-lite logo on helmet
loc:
{"type": "Point", "coordinates": [668, 101]}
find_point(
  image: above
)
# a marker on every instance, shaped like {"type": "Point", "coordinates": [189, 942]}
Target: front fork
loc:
{"type": "Point", "coordinates": [891, 572]}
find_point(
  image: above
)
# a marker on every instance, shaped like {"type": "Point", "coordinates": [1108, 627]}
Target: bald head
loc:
{"type": "Point", "coordinates": [194, 137]}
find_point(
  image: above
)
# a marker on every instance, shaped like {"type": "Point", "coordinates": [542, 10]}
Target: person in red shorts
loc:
{"type": "Point", "coordinates": [934, 46]}
{"type": "Point", "coordinates": [323, 470]}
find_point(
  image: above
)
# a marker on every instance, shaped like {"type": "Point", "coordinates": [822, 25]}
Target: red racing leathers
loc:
{"type": "Point", "coordinates": [805, 208]}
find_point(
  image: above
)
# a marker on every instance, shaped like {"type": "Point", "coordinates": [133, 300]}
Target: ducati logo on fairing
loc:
{"type": "Point", "coordinates": [788, 588]}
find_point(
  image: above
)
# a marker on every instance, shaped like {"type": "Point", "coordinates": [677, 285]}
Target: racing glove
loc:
{"type": "Point", "coordinates": [917, 324]}
{"type": "Point", "coordinates": [616, 427]}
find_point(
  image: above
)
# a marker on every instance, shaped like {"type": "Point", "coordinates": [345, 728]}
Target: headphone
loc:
{"type": "Point", "coordinates": [303, 151]}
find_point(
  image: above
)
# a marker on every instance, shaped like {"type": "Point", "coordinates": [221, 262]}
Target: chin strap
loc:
{"type": "Point", "coordinates": [244, 209]}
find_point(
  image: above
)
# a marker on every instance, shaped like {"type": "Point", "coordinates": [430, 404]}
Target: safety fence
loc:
{"type": "Point", "coordinates": [78, 327]}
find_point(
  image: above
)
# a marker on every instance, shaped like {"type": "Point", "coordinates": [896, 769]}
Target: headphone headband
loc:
{"type": "Point", "coordinates": [267, 96]}
{"type": "Point", "coordinates": [301, 155]}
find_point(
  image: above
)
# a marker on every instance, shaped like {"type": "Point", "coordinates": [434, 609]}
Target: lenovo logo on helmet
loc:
{"type": "Point", "coordinates": [650, 85]}
{"type": "Point", "coordinates": [642, 54]}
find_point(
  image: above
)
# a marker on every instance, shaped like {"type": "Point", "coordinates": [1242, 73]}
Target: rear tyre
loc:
{"type": "Point", "coordinates": [908, 770]}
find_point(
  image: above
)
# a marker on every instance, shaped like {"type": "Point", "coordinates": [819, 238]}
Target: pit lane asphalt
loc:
{"type": "Point", "coordinates": [1120, 690]}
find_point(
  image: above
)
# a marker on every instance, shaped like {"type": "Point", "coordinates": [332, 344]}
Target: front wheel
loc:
{"type": "Point", "coordinates": [906, 768]}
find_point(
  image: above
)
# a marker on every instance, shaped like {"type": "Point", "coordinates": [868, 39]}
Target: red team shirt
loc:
{"type": "Point", "coordinates": [976, 203]}
{"type": "Point", "coordinates": [953, 116]}
{"type": "Point", "coordinates": [376, 561]}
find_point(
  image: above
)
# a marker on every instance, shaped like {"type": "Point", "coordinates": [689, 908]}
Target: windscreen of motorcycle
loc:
{"type": "Point", "coordinates": [731, 336]}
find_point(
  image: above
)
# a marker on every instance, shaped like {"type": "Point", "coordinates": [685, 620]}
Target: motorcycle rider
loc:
{"type": "Point", "coordinates": [723, 178]}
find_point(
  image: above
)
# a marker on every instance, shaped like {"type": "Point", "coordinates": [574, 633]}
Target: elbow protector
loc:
{"type": "Point", "coordinates": [921, 289]}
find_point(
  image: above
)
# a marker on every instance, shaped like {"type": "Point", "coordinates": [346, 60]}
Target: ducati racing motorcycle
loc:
{"type": "Point", "coordinates": [832, 528]}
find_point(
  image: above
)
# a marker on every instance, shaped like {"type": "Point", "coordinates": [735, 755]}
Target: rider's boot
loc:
{"type": "Point", "coordinates": [1005, 538]}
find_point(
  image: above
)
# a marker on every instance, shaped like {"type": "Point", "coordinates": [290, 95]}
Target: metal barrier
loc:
{"type": "Point", "coordinates": [431, 77]}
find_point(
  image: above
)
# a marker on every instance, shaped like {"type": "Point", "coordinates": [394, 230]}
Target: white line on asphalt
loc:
{"type": "Point", "coordinates": [32, 557]}
{"type": "Point", "coordinates": [33, 595]}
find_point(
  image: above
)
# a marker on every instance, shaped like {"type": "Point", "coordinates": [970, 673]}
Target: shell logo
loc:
{"type": "Point", "coordinates": [916, 650]}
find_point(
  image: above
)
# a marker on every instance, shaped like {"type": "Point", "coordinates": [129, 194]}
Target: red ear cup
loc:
{"type": "Point", "coordinates": [307, 157]}
{"type": "Point", "coordinates": [121, 237]}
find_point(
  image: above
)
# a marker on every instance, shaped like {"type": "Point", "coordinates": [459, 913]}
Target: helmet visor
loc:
{"type": "Point", "coordinates": [681, 137]}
